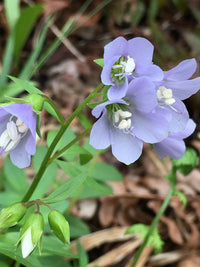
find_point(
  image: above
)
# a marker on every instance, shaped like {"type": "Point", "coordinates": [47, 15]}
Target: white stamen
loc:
{"type": "Point", "coordinates": [127, 68]}
{"type": "Point", "coordinates": [12, 144]}
{"type": "Point", "coordinates": [12, 135]}
{"type": "Point", "coordinates": [122, 119]}
{"type": "Point", "coordinates": [12, 130]}
{"type": "Point", "coordinates": [165, 95]}
{"type": "Point", "coordinates": [22, 128]}
{"type": "Point", "coordinates": [130, 66]}
{"type": "Point", "coordinates": [4, 139]}
{"type": "Point", "coordinates": [122, 125]}
{"type": "Point", "coordinates": [124, 114]}
{"type": "Point", "coordinates": [19, 122]}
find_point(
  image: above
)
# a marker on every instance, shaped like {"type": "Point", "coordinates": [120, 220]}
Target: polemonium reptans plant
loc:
{"type": "Point", "coordinates": [140, 103]}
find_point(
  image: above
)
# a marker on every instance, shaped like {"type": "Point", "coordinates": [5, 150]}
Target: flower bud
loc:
{"type": "Point", "coordinates": [59, 226]}
{"type": "Point", "coordinates": [36, 101]}
{"type": "Point", "coordinates": [11, 215]}
{"type": "Point", "coordinates": [31, 232]}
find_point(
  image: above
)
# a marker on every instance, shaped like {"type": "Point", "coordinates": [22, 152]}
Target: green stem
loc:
{"type": "Point", "coordinates": [52, 104]}
{"type": "Point", "coordinates": [156, 219]}
{"type": "Point", "coordinates": [60, 133]}
{"type": "Point", "coordinates": [59, 153]}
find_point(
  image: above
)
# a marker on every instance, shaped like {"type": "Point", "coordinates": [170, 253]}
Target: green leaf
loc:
{"type": "Point", "coordinates": [16, 177]}
{"type": "Point", "coordinates": [12, 11]}
{"type": "Point", "coordinates": [92, 189]}
{"type": "Point", "coordinates": [105, 172]}
{"type": "Point", "coordinates": [99, 62]}
{"type": "Point", "coordinates": [153, 9]}
{"type": "Point", "coordinates": [25, 85]}
{"type": "Point", "coordinates": [68, 189]}
{"type": "Point", "coordinates": [188, 162]}
{"type": "Point", "coordinates": [26, 72]}
{"type": "Point", "coordinates": [154, 240]}
{"type": "Point", "coordinates": [24, 26]}
{"type": "Point", "coordinates": [77, 227]}
{"type": "Point", "coordinates": [48, 176]}
{"type": "Point", "coordinates": [67, 137]}
{"type": "Point", "coordinates": [51, 245]}
{"type": "Point", "coordinates": [52, 261]}
{"type": "Point", "coordinates": [83, 257]}
{"type": "Point", "coordinates": [85, 122]}
{"type": "Point", "coordinates": [72, 169]}
{"type": "Point", "coordinates": [8, 247]}
{"type": "Point", "coordinates": [182, 197]}
{"type": "Point", "coordinates": [138, 13]}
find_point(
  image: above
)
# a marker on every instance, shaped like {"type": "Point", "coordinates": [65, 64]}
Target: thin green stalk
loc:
{"type": "Point", "coordinates": [156, 219]}
{"type": "Point", "coordinates": [7, 59]}
{"type": "Point", "coordinates": [54, 143]}
{"type": "Point", "coordinates": [52, 104]}
{"type": "Point", "coordinates": [59, 153]}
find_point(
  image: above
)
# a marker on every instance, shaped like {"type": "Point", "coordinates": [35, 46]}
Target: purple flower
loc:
{"type": "Point", "coordinates": [176, 87]}
{"type": "Point", "coordinates": [18, 133]}
{"type": "Point", "coordinates": [173, 145]}
{"type": "Point", "coordinates": [126, 124]}
{"type": "Point", "coordinates": [124, 60]}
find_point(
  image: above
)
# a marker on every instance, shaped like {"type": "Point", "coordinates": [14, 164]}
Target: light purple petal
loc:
{"type": "Point", "coordinates": [141, 50]}
{"type": "Point", "coordinates": [152, 71]}
{"type": "Point", "coordinates": [125, 147]}
{"type": "Point", "coordinates": [118, 91]}
{"type": "Point", "coordinates": [19, 156]}
{"type": "Point", "coordinates": [180, 116]}
{"type": "Point", "coordinates": [183, 89]}
{"type": "Point", "coordinates": [152, 127]}
{"type": "Point", "coordinates": [31, 144]}
{"type": "Point", "coordinates": [25, 113]}
{"type": "Point", "coordinates": [96, 112]}
{"type": "Point", "coordinates": [106, 71]}
{"type": "Point", "coordinates": [172, 147]}
{"type": "Point", "coordinates": [182, 71]}
{"type": "Point", "coordinates": [118, 47]}
{"type": "Point", "coordinates": [100, 133]}
{"type": "Point", "coordinates": [189, 129]}
{"type": "Point", "coordinates": [143, 94]}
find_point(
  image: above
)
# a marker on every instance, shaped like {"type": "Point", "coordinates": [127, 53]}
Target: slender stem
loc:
{"type": "Point", "coordinates": [156, 219]}
{"type": "Point", "coordinates": [54, 143]}
{"type": "Point", "coordinates": [48, 100]}
{"type": "Point", "coordinates": [59, 153]}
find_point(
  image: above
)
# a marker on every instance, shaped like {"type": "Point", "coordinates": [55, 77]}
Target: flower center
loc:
{"type": "Point", "coordinates": [122, 120]}
{"type": "Point", "coordinates": [122, 68]}
{"type": "Point", "coordinates": [11, 136]}
{"type": "Point", "coordinates": [165, 95]}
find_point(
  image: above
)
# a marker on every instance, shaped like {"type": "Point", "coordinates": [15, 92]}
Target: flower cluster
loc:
{"type": "Point", "coordinates": [144, 104]}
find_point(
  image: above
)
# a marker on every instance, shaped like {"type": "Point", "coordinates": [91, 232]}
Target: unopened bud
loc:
{"type": "Point", "coordinates": [59, 226]}
{"type": "Point", "coordinates": [11, 215]}
{"type": "Point", "coordinates": [36, 101]}
{"type": "Point", "coordinates": [31, 233]}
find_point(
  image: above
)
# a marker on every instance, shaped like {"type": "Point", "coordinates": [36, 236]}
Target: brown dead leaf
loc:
{"type": "Point", "coordinates": [116, 255]}
{"type": "Point", "coordinates": [107, 211]}
{"type": "Point", "coordinates": [192, 261]}
{"type": "Point", "coordinates": [161, 186]}
{"type": "Point", "coordinates": [173, 230]}
{"type": "Point", "coordinates": [53, 6]}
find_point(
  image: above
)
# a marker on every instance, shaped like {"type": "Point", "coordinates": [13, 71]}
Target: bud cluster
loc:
{"type": "Point", "coordinates": [32, 229]}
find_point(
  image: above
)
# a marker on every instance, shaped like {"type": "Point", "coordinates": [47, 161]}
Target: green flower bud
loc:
{"type": "Point", "coordinates": [59, 226]}
{"type": "Point", "coordinates": [11, 215]}
{"type": "Point", "coordinates": [31, 232]}
{"type": "Point", "coordinates": [36, 101]}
